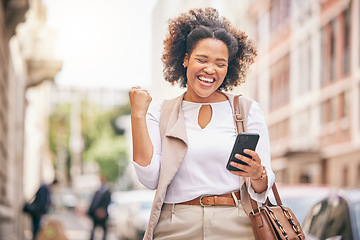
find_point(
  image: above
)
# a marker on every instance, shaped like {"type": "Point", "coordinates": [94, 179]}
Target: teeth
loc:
{"type": "Point", "coordinates": [210, 80]}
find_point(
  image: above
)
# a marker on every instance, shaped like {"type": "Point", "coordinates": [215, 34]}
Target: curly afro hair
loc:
{"type": "Point", "coordinates": [189, 28]}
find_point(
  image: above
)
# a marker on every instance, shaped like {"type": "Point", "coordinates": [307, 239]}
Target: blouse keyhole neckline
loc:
{"type": "Point", "coordinates": [205, 115]}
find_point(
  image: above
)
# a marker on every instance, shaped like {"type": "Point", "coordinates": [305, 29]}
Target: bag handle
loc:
{"type": "Point", "coordinates": [240, 128]}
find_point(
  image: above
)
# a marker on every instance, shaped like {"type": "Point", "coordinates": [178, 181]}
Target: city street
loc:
{"type": "Point", "coordinates": [75, 76]}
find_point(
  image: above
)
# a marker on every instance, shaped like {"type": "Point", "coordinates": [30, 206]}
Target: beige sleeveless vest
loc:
{"type": "Point", "coordinates": [174, 148]}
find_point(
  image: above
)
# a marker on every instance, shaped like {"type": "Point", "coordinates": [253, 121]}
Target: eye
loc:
{"type": "Point", "coordinates": [220, 65]}
{"type": "Point", "coordinates": [200, 60]}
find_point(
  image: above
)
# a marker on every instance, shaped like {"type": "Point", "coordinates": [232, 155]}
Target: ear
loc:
{"type": "Point", "coordinates": [186, 60]}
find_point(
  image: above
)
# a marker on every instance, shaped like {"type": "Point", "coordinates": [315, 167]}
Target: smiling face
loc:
{"type": "Point", "coordinates": [206, 69]}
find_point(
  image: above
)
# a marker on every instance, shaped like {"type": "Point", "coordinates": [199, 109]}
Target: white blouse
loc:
{"type": "Point", "coordinates": [203, 170]}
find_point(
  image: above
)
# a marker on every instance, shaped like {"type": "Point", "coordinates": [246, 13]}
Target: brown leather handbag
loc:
{"type": "Point", "coordinates": [274, 221]}
{"type": "Point", "coordinates": [269, 222]}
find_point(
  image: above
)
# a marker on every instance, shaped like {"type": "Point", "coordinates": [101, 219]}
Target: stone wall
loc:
{"type": "Point", "coordinates": [17, 76]}
{"type": "Point", "coordinates": [11, 125]}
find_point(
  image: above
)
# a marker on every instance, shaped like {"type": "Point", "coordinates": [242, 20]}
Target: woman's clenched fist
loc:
{"type": "Point", "coordinates": [139, 101]}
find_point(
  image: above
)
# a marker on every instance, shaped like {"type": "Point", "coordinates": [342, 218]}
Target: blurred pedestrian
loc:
{"type": "Point", "coordinates": [181, 146]}
{"type": "Point", "coordinates": [98, 210]}
{"type": "Point", "coordinates": [39, 206]}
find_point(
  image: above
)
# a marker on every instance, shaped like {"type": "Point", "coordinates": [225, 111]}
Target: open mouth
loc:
{"type": "Point", "coordinates": [206, 80]}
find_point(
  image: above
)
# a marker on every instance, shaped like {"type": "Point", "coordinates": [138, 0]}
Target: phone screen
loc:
{"type": "Point", "coordinates": [243, 141]}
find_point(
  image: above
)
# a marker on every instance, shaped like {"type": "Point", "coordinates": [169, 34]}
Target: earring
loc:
{"type": "Point", "coordinates": [184, 65]}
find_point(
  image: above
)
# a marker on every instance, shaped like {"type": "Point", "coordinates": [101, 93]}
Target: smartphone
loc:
{"type": "Point", "coordinates": [243, 141]}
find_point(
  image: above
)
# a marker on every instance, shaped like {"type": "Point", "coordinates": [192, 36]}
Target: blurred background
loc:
{"type": "Point", "coordinates": [66, 67]}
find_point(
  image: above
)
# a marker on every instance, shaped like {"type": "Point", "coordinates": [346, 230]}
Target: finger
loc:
{"type": "Point", "coordinates": [137, 90]}
{"type": "Point", "coordinates": [243, 158]}
{"type": "Point", "coordinates": [134, 89]}
{"type": "Point", "coordinates": [253, 154]}
{"type": "Point", "coordinates": [240, 166]}
{"type": "Point", "coordinates": [252, 166]}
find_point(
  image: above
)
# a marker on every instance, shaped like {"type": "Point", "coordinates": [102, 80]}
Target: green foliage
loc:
{"type": "Point", "coordinates": [106, 148]}
{"type": "Point", "coordinates": [103, 141]}
{"type": "Point", "coordinates": [110, 153]}
{"type": "Point", "coordinates": [59, 128]}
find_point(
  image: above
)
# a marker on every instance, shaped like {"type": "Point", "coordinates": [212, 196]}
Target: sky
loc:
{"type": "Point", "coordinates": [102, 43]}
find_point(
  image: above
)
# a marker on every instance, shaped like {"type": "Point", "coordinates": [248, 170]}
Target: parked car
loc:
{"type": "Point", "coordinates": [129, 212]}
{"type": "Point", "coordinates": [300, 198]}
{"type": "Point", "coordinates": [336, 217]}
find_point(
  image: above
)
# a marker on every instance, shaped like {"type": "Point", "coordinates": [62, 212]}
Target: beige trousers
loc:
{"type": "Point", "coordinates": [189, 222]}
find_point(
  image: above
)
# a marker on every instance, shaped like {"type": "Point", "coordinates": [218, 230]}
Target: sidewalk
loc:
{"type": "Point", "coordinates": [78, 227]}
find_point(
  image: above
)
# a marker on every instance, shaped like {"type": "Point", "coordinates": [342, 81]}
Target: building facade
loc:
{"type": "Point", "coordinates": [12, 106]}
{"type": "Point", "coordinates": [307, 80]}
{"type": "Point", "coordinates": [26, 64]}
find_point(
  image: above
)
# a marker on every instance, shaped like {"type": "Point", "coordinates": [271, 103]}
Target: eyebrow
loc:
{"type": "Point", "coordinates": [204, 56]}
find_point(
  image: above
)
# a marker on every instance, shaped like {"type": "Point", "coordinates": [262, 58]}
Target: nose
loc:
{"type": "Point", "coordinates": [209, 70]}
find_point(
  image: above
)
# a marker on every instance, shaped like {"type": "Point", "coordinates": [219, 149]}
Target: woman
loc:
{"type": "Point", "coordinates": [181, 146]}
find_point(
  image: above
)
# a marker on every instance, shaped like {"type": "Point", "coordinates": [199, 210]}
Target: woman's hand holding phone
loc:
{"type": "Point", "coordinates": [252, 168]}
{"type": "Point", "coordinates": [244, 161]}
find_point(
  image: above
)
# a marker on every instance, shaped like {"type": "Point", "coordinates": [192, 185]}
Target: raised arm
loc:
{"type": "Point", "coordinates": [142, 146]}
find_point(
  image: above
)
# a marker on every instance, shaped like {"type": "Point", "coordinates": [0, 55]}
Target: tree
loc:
{"type": "Point", "coordinates": [59, 133]}
{"type": "Point", "coordinates": [104, 142]}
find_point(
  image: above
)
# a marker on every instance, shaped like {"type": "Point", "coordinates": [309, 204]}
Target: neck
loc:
{"type": "Point", "coordinates": [214, 97]}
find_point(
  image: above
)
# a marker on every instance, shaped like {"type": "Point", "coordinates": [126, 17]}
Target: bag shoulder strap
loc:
{"type": "Point", "coordinates": [241, 111]}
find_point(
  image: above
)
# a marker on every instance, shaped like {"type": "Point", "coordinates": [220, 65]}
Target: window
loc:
{"type": "Point", "coordinates": [279, 130]}
{"type": "Point", "coordinates": [285, 6]}
{"type": "Point", "coordinates": [328, 52]}
{"type": "Point", "coordinates": [329, 110]}
{"type": "Point", "coordinates": [323, 58]}
{"type": "Point", "coordinates": [332, 109]}
{"type": "Point", "coordinates": [303, 10]}
{"type": "Point", "coordinates": [332, 50]}
{"type": "Point", "coordinates": [345, 177]}
{"type": "Point", "coordinates": [274, 14]}
{"type": "Point", "coordinates": [279, 83]}
{"type": "Point", "coordinates": [279, 13]}
{"type": "Point", "coordinates": [346, 104]}
{"type": "Point", "coordinates": [304, 68]}
{"type": "Point", "coordinates": [308, 66]}
{"type": "Point", "coordinates": [347, 37]}
{"type": "Point", "coordinates": [323, 113]}
{"type": "Point", "coordinates": [342, 105]}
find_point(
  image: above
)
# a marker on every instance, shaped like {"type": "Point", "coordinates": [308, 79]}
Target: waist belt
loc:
{"type": "Point", "coordinates": [226, 199]}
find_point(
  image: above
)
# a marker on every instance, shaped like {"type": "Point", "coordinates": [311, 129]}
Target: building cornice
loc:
{"type": "Point", "coordinates": [14, 14]}
{"type": "Point", "coordinates": [41, 70]}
